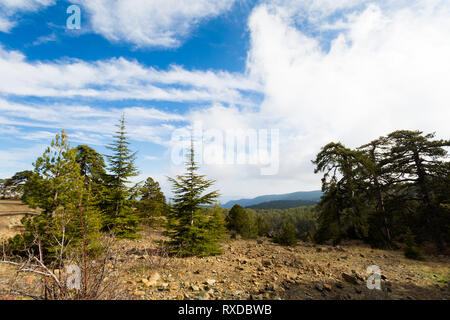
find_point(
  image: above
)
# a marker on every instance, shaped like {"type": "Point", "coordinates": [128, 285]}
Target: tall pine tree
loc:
{"type": "Point", "coordinates": [120, 217]}
{"type": "Point", "coordinates": [57, 187]}
{"type": "Point", "coordinates": [194, 231]}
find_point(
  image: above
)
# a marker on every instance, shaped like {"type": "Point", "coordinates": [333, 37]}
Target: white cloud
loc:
{"type": "Point", "coordinates": [116, 79]}
{"type": "Point", "coordinates": [9, 9]}
{"type": "Point", "coordinates": [161, 23]}
{"type": "Point", "coordinates": [387, 69]}
{"type": "Point", "coordinates": [86, 124]}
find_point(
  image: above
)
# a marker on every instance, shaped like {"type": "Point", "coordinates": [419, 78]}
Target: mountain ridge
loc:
{"type": "Point", "coordinates": [299, 195]}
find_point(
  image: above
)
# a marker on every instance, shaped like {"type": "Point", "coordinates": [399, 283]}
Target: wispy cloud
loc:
{"type": "Point", "coordinates": [87, 124]}
{"type": "Point", "coordinates": [156, 23]}
{"type": "Point", "coordinates": [9, 9]}
{"type": "Point", "coordinates": [116, 79]}
{"type": "Point", "coordinates": [45, 39]}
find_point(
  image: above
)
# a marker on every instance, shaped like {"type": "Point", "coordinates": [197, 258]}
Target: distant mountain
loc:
{"type": "Point", "coordinates": [302, 195]}
{"type": "Point", "coordinates": [283, 204]}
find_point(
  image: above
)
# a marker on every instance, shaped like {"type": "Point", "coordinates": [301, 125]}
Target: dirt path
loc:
{"type": "Point", "coordinates": [11, 212]}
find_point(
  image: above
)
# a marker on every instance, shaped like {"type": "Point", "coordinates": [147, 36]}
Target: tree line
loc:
{"type": "Point", "coordinates": [393, 189]}
{"type": "Point", "coordinates": [81, 196]}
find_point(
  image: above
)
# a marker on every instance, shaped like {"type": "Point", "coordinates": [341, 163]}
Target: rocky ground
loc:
{"type": "Point", "coordinates": [260, 269]}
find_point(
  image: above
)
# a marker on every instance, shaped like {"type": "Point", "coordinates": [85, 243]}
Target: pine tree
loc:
{"type": "Point", "coordinates": [57, 188]}
{"type": "Point", "coordinates": [120, 217]}
{"type": "Point", "coordinates": [93, 170]}
{"type": "Point", "coordinates": [193, 231]}
{"type": "Point", "coordinates": [343, 170]}
{"type": "Point", "coordinates": [152, 204]}
{"type": "Point", "coordinates": [418, 162]}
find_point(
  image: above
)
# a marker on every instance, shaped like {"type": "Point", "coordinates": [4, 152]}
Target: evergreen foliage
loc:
{"type": "Point", "coordinates": [152, 204]}
{"type": "Point", "coordinates": [383, 189]}
{"type": "Point", "coordinates": [192, 229]}
{"type": "Point", "coordinates": [119, 215]}
{"type": "Point", "coordinates": [57, 187]}
{"type": "Point", "coordinates": [287, 235]}
{"type": "Point", "coordinates": [243, 222]}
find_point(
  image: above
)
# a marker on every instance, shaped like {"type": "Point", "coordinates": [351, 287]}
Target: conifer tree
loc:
{"type": "Point", "coordinates": [342, 169]}
{"type": "Point", "coordinates": [56, 187]}
{"type": "Point", "coordinates": [93, 170]}
{"type": "Point", "coordinates": [287, 235]}
{"type": "Point", "coordinates": [419, 162]}
{"type": "Point", "coordinates": [120, 217]}
{"type": "Point", "coordinates": [240, 220]}
{"type": "Point", "coordinates": [192, 229]}
{"type": "Point", "coordinates": [152, 204]}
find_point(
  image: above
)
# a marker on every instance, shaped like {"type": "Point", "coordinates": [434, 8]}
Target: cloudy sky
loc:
{"type": "Point", "coordinates": [315, 70]}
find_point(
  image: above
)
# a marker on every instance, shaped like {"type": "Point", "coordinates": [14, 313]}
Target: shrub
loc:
{"type": "Point", "coordinates": [243, 222]}
{"type": "Point", "coordinates": [286, 236]}
{"type": "Point", "coordinates": [411, 251]}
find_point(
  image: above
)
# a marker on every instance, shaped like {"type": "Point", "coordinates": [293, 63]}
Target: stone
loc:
{"type": "Point", "coordinates": [266, 263]}
{"type": "Point", "coordinates": [202, 296]}
{"type": "Point", "coordinates": [237, 293]}
{"type": "Point", "coordinates": [154, 278]}
{"type": "Point", "coordinates": [210, 282]}
{"type": "Point", "coordinates": [327, 286]}
{"type": "Point", "coordinates": [319, 287]}
{"type": "Point", "coordinates": [260, 241]}
{"type": "Point", "coordinates": [133, 283]}
{"type": "Point", "coordinates": [270, 287]}
{"type": "Point", "coordinates": [139, 293]}
{"type": "Point", "coordinates": [350, 278]}
{"type": "Point", "coordinates": [163, 286]}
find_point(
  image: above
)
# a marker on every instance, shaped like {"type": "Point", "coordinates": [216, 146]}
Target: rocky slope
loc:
{"type": "Point", "coordinates": [259, 269]}
{"type": "Point", "coordinates": [254, 269]}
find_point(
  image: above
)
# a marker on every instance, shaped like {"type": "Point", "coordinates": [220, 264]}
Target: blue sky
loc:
{"type": "Point", "coordinates": [314, 70]}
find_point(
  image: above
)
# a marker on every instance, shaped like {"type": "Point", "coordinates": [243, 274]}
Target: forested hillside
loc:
{"type": "Point", "coordinates": [301, 195]}
{"type": "Point", "coordinates": [282, 204]}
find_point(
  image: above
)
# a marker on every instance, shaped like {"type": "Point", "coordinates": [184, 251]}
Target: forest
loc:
{"type": "Point", "coordinates": [391, 192]}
